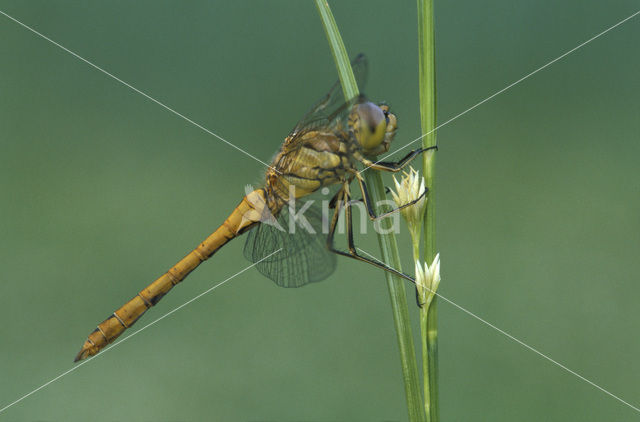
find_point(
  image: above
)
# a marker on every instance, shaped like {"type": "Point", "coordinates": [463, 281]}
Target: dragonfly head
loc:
{"type": "Point", "coordinates": [373, 127]}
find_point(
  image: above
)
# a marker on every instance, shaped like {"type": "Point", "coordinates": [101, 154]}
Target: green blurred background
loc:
{"type": "Point", "coordinates": [102, 190]}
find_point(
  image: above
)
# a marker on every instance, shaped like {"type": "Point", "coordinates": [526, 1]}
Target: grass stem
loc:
{"type": "Point", "coordinates": [429, 316]}
{"type": "Point", "coordinates": [388, 245]}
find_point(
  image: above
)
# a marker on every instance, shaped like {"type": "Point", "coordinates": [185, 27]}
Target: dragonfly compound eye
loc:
{"type": "Point", "coordinates": [370, 124]}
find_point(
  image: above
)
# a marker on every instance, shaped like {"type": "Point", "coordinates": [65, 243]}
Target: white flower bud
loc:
{"type": "Point", "coordinates": [409, 189]}
{"type": "Point", "coordinates": [428, 280]}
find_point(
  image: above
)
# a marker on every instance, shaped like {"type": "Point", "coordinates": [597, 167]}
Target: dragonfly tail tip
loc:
{"type": "Point", "coordinates": [87, 350]}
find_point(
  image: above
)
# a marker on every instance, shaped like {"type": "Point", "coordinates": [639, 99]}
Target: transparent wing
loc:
{"type": "Point", "coordinates": [304, 257]}
{"type": "Point", "coordinates": [330, 104]}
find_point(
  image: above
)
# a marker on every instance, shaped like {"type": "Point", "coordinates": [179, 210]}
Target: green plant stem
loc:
{"type": "Point", "coordinates": [422, 293]}
{"type": "Point", "coordinates": [429, 316]}
{"type": "Point", "coordinates": [398, 296]}
{"type": "Point", "coordinates": [388, 245]}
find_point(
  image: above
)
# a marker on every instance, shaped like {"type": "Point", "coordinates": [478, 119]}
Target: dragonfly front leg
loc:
{"type": "Point", "coordinates": [396, 166]}
{"type": "Point", "coordinates": [369, 206]}
{"type": "Point", "coordinates": [353, 251]}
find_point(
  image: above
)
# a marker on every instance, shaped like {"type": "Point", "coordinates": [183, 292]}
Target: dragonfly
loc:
{"type": "Point", "coordinates": [324, 149]}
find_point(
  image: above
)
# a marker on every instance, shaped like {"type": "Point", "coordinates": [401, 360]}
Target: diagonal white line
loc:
{"type": "Point", "coordinates": [136, 90]}
{"type": "Point", "coordinates": [511, 85]}
{"type": "Point", "coordinates": [522, 343]}
{"type": "Point", "coordinates": [135, 332]}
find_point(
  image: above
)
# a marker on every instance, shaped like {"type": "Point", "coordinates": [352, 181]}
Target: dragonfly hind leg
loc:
{"type": "Point", "coordinates": [353, 251]}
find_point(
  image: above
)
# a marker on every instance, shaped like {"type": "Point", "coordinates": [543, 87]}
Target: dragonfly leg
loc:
{"type": "Point", "coordinates": [353, 251]}
{"type": "Point", "coordinates": [396, 166]}
{"type": "Point", "coordinates": [338, 196]}
{"type": "Point", "coordinates": [369, 206]}
{"type": "Point", "coordinates": [336, 205]}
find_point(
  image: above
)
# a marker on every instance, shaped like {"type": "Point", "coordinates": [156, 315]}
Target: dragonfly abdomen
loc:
{"type": "Point", "coordinates": [248, 213]}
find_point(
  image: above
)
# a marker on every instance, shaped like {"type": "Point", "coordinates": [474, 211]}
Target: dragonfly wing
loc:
{"type": "Point", "coordinates": [303, 257]}
{"type": "Point", "coordinates": [330, 103]}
